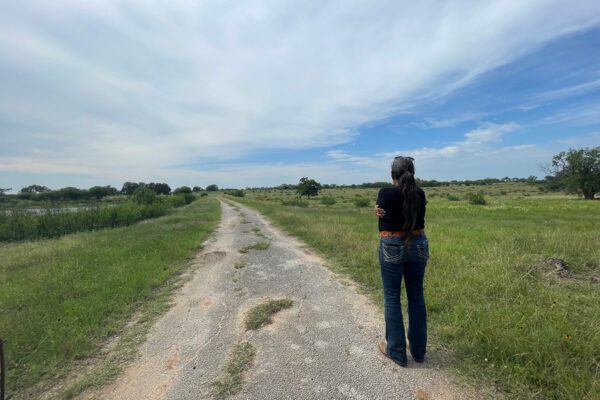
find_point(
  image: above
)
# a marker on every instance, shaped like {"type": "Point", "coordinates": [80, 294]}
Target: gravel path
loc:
{"type": "Point", "coordinates": [324, 347]}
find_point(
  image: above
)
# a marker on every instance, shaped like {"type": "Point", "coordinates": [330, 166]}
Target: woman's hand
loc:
{"type": "Point", "coordinates": [379, 212]}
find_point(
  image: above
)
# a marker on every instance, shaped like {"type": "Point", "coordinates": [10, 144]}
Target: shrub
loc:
{"type": "Point", "coordinates": [181, 199]}
{"type": "Point", "coordinates": [236, 193]}
{"type": "Point", "coordinates": [452, 197]}
{"type": "Point", "coordinates": [144, 195]}
{"type": "Point", "coordinates": [476, 198]}
{"type": "Point", "coordinates": [203, 194]}
{"type": "Point", "coordinates": [328, 200]}
{"type": "Point", "coordinates": [361, 202]}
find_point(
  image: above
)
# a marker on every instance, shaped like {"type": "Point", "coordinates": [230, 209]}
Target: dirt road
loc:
{"type": "Point", "coordinates": [324, 347]}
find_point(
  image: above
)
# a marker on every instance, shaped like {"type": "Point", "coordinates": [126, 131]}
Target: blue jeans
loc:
{"type": "Point", "coordinates": [399, 258]}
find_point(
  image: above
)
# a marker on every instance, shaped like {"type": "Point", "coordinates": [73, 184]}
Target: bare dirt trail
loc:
{"type": "Point", "coordinates": [324, 347]}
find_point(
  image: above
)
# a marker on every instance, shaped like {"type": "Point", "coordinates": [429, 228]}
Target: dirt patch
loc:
{"type": "Point", "coordinates": [173, 361]}
{"type": "Point", "coordinates": [211, 257]}
{"type": "Point", "coordinates": [556, 267]}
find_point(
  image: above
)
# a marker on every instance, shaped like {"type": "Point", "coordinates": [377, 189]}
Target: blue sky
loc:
{"type": "Point", "coordinates": [263, 92]}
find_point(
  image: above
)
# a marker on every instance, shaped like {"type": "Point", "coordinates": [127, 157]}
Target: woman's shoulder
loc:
{"type": "Point", "coordinates": [386, 191]}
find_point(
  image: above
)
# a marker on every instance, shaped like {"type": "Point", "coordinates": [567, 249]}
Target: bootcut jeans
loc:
{"type": "Point", "coordinates": [398, 258]}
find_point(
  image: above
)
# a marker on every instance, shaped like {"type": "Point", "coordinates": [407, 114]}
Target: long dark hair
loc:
{"type": "Point", "coordinates": [403, 170]}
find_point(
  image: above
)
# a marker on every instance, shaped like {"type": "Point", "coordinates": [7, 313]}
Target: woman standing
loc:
{"type": "Point", "coordinates": [403, 253]}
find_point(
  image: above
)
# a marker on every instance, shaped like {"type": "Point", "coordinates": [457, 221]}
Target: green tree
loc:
{"type": "Point", "coordinates": [212, 188]}
{"type": "Point", "coordinates": [578, 170]}
{"type": "Point", "coordinates": [99, 192]}
{"type": "Point", "coordinates": [197, 189]}
{"type": "Point", "coordinates": [144, 195]}
{"type": "Point", "coordinates": [159, 188]}
{"type": "Point", "coordinates": [35, 189]}
{"type": "Point", "coordinates": [183, 189]}
{"type": "Point", "coordinates": [130, 187]}
{"type": "Point", "coordinates": [308, 187]}
{"type": "Point", "coordinates": [3, 191]}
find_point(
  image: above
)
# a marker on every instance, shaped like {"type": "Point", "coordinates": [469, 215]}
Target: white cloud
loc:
{"type": "Point", "coordinates": [488, 133]}
{"type": "Point", "coordinates": [107, 87]}
{"type": "Point", "coordinates": [480, 153]}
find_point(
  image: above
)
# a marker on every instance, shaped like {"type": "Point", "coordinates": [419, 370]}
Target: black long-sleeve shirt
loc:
{"type": "Point", "coordinates": [391, 200]}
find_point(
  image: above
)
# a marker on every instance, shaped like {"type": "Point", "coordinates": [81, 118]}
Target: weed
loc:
{"type": "Point", "coordinates": [360, 202]}
{"type": "Point", "coordinates": [259, 233]}
{"type": "Point", "coordinates": [255, 246]}
{"type": "Point", "coordinates": [476, 198]}
{"type": "Point", "coordinates": [261, 315]}
{"type": "Point", "coordinates": [240, 360]}
{"type": "Point", "coordinates": [328, 200]}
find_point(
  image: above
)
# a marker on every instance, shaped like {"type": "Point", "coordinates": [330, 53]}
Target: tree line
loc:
{"type": "Point", "coordinates": [43, 193]}
{"type": "Point", "coordinates": [573, 171]}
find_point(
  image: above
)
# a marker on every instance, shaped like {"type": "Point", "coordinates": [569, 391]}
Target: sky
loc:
{"type": "Point", "coordinates": [260, 93]}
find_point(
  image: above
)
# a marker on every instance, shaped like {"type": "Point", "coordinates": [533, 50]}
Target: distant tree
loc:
{"type": "Point", "coordinates": [212, 188]}
{"type": "Point", "coordinates": [144, 195]}
{"type": "Point", "coordinates": [3, 191]}
{"type": "Point", "coordinates": [532, 179]}
{"type": "Point", "coordinates": [130, 187]}
{"type": "Point", "coordinates": [182, 189]}
{"type": "Point", "coordinates": [66, 193]}
{"type": "Point", "coordinates": [308, 187]}
{"type": "Point", "coordinates": [98, 192]}
{"type": "Point", "coordinates": [34, 189]}
{"type": "Point", "coordinates": [578, 170]}
{"type": "Point", "coordinates": [236, 192]}
{"type": "Point", "coordinates": [197, 189]}
{"type": "Point", "coordinates": [159, 188]}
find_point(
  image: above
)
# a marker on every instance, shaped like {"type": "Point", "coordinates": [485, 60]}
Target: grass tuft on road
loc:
{"type": "Point", "coordinates": [61, 299]}
{"type": "Point", "coordinates": [255, 246]}
{"type": "Point", "coordinates": [240, 360]}
{"type": "Point", "coordinates": [262, 314]}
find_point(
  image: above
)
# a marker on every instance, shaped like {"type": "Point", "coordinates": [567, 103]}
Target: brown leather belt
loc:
{"type": "Point", "coordinates": [400, 233]}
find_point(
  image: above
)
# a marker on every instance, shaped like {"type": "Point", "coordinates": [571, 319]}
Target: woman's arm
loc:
{"type": "Point", "coordinates": [379, 212]}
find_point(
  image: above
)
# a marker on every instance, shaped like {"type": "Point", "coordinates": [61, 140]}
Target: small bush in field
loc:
{"type": "Point", "coordinates": [236, 193]}
{"type": "Point", "coordinates": [452, 197]}
{"type": "Point", "coordinates": [328, 200]}
{"type": "Point", "coordinates": [361, 202]}
{"type": "Point", "coordinates": [476, 198]}
{"type": "Point", "coordinates": [144, 195]}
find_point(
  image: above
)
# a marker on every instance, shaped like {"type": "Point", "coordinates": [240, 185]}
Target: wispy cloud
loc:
{"type": "Point", "coordinates": [131, 87]}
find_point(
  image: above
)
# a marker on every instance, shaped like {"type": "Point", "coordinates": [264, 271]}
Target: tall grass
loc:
{"type": "Point", "coordinates": [504, 320]}
{"type": "Point", "coordinates": [61, 299]}
{"type": "Point", "coordinates": [52, 220]}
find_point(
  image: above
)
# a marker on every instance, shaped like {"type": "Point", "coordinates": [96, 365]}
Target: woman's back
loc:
{"type": "Point", "coordinates": [390, 199]}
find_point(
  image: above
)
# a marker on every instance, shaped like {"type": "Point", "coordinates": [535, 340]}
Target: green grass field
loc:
{"type": "Point", "coordinates": [494, 310]}
{"type": "Point", "coordinates": [61, 299]}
